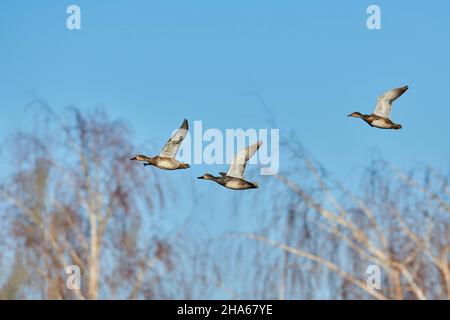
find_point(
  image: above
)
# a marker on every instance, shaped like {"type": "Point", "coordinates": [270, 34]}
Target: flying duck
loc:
{"type": "Point", "coordinates": [234, 178]}
{"type": "Point", "coordinates": [380, 117]}
{"type": "Point", "coordinates": [166, 159]}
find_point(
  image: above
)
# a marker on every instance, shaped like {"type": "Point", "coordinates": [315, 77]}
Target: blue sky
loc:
{"type": "Point", "coordinates": [153, 63]}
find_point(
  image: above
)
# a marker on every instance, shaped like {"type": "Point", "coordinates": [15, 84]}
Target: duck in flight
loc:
{"type": "Point", "coordinates": [166, 159]}
{"type": "Point", "coordinates": [234, 178]}
{"type": "Point", "coordinates": [380, 117]}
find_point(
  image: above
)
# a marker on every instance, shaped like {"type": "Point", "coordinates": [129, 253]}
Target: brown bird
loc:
{"type": "Point", "coordinates": [166, 159]}
{"type": "Point", "coordinates": [380, 117]}
{"type": "Point", "coordinates": [234, 178]}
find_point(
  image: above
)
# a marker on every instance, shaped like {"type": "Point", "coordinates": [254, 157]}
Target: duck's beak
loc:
{"type": "Point", "coordinates": [133, 158]}
{"type": "Point", "coordinates": [349, 115]}
{"type": "Point", "coordinates": [200, 177]}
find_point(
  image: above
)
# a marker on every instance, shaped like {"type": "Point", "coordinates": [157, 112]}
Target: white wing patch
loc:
{"type": "Point", "coordinates": [383, 108]}
{"type": "Point", "coordinates": [171, 148]}
{"type": "Point", "coordinates": [239, 161]}
{"type": "Point", "coordinates": [384, 102]}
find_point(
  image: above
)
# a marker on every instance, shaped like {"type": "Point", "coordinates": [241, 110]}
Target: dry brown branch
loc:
{"type": "Point", "coordinates": [333, 267]}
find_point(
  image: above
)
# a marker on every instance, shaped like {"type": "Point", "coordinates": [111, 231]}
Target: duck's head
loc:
{"type": "Point", "coordinates": [355, 115]}
{"type": "Point", "coordinates": [140, 157]}
{"type": "Point", "coordinates": [206, 176]}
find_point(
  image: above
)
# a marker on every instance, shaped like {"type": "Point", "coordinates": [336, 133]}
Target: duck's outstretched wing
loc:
{"type": "Point", "coordinates": [384, 103]}
{"type": "Point", "coordinates": [239, 161]}
{"type": "Point", "coordinates": [171, 148]}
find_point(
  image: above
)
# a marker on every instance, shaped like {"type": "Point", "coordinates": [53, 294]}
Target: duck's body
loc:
{"type": "Point", "coordinates": [165, 163]}
{"type": "Point", "coordinates": [380, 117]}
{"type": "Point", "coordinates": [376, 121]}
{"type": "Point", "coordinates": [166, 159]}
{"type": "Point", "coordinates": [230, 182]}
{"type": "Point", "coordinates": [234, 178]}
